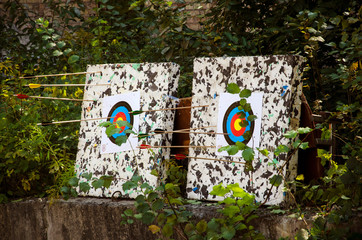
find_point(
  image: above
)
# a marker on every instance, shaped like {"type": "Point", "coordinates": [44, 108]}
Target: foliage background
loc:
{"type": "Point", "coordinates": [37, 161]}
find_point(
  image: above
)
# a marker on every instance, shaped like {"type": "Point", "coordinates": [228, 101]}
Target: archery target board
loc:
{"type": "Point", "coordinates": [136, 86]}
{"type": "Point", "coordinates": [116, 108]}
{"type": "Point", "coordinates": [229, 121]}
{"type": "Point", "coordinates": [275, 82]}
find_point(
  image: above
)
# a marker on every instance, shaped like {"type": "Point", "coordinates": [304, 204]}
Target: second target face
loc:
{"type": "Point", "coordinates": [232, 124]}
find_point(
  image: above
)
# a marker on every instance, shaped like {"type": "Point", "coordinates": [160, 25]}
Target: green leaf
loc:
{"type": "Point", "coordinates": [129, 131]}
{"type": "Point", "coordinates": [252, 118]}
{"type": "Point", "coordinates": [107, 181]}
{"type": "Point", "coordinates": [296, 143]}
{"type": "Point", "coordinates": [167, 230]}
{"type": "Point", "coordinates": [157, 205]}
{"type": "Point", "coordinates": [145, 185]}
{"type": "Point", "coordinates": [219, 190]}
{"type": "Point", "coordinates": [73, 192]}
{"type": "Point", "coordinates": [64, 190]}
{"type": "Point", "coordinates": [189, 228]}
{"type": "Point", "coordinates": [143, 207]}
{"type": "Point", "coordinates": [241, 146]}
{"type": "Point", "coordinates": [304, 130]}
{"type": "Point", "coordinates": [129, 221]}
{"type": "Point", "coordinates": [201, 226]}
{"type": "Point", "coordinates": [121, 123]}
{"type": "Point", "coordinates": [148, 217]}
{"type": "Point", "coordinates": [87, 176]}
{"type": "Point", "coordinates": [304, 145]}
{"type": "Point", "coordinates": [45, 37]}
{"type": "Point", "coordinates": [265, 152]}
{"type": "Point", "coordinates": [291, 134]}
{"type": "Point", "coordinates": [98, 183]}
{"type": "Point", "coordinates": [138, 216]}
{"type": "Point", "coordinates": [281, 149]}
{"type": "Point", "coordinates": [232, 149]}
{"type": "Point", "coordinates": [276, 180]}
{"type": "Point", "coordinates": [230, 211]}
{"type": "Point", "coordinates": [213, 225]}
{"type": "Point", "coordinates": [67, 51]}
{"type": "Point", "coordinates": [73, 181]}
{"type": "Point", "coordinates": [242, 102]}
{"type": "Point", "coordinates": [57, 53]}
{"type": "Point", "coordinates": [152, 196]}
{"type": "Point", "coordinates": [233, 88]}
{"type": "Point", "coordinates": [245, 93]}
{"type": "Point", "coordinates": [154, 172]}
{"type": "Point", "coordinates": [112, 130]}
{"type": "Point", "coordinates": [154, 228]}
{"type": "Point", "coordinates": [140, 199]}
{"type": "Point", "coordinates": [105, 124]}
{"type": "Point", "coordinates": [128, 212]}
{"type": "Point", "coordinates": [84, 187]}
{"type": "Point", "coordinates": [73, 59]}
{"type": "Point", "coordinates": [247, 107]}
{"type": "Point", "coordinates": [248, 154]}
{"type": "Point", "coordinates": [326, 134]}
{"type": "Point", "coordinates": [61, 44]}
{"type": "Point", "coordinates": [228, 232]}
{"type": "Point", "coordinates": [223, 149]}
{"type": "Point", "coordinates": [129, 185]}
{"type": "Point", "coordinates": [121, 139]}
{"type": "Point", "coordinates": [242, 115]}
{"type": "Point", "coordinates": [229, 201]}
{"type": "Point", "coordinates": [344, 197]}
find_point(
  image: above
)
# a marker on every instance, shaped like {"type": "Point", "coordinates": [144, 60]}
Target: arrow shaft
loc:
{"type": "Point", "coordinates": [69, 85]}
{"type": "Point", "coordinates": [212, 159]}
{"type": "Point", "coordinates": [61, 74]}
{"type": "Point", "coordinates": [165, 109]}
{"type": "Point", "coordinates": [65, 99]}
{"type": "Point", "coordinates": [179, 147]}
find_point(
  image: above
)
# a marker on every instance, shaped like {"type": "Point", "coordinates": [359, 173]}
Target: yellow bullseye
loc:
{"type": "Point", "coordinates": [237, 126]}
{"type": "Point", "coordinates": [119, 119]}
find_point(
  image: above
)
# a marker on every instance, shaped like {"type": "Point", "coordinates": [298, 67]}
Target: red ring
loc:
{"type": "Point", "coordinates": [232, 127]}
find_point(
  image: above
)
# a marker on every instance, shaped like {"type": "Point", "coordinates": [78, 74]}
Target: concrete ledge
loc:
{"type": "Point", "coordinates": [94, 218]}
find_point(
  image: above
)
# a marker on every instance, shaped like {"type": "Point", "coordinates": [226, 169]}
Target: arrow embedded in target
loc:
{"type": "Point", "coordinates": [35, 85]}
{"type": "Point", "coordinates": [182, 156]}
{"type": "Point", "coordinates": [23, 96]}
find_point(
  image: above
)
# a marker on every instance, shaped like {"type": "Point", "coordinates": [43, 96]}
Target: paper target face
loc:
{"type": "Point", "coordinates": [120, 112]}
{"type": "Point", "coordinates": [230, 120]}
{"type": "Point", "coordinates": [233, 124]}
{"type": "Point", "coordinates": [116, 108]}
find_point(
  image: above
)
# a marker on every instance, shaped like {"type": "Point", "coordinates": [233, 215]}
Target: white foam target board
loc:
{"type": "Point", "coordinates": [275, 82]}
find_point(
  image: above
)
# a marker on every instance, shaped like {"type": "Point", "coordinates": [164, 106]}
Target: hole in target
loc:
{"type": "Point", "coordinates": [231, 124]}
{"type": "Point", "coordinates": [120, 112]}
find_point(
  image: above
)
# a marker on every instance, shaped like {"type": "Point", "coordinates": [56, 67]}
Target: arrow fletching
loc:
{"type": "Point", "coordinates": [137, 112]}
{"type": "Point", "coordinates": [34, 85]}
{"type": "Point", "coordinates": [145, 146]}
{"type": "Point", "coordinates": [180, 156]}
{"type": "Point", "coordinates": [22, 96]}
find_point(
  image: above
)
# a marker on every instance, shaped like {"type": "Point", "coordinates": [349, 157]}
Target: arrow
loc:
{"type": "Point", "coordinates": [164, 109]}
{"type": "Point", "coordinates": [160, 131]}
{"type": "Point", "coordinates": [145, 146]}
{"type": "Point", "coordinates": [61, 74]}
{"type": "Point", "coordinates": [35, 85]}
{"type": "Point", "coordinates": [182, 156]}
{"type": "Point", "coordinates": [23, 96]}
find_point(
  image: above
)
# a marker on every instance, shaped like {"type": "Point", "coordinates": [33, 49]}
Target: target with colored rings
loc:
{"type": "Point", "coordinates": [231, 124]}
{"type": "Point", "coordinates": [120, 112]}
